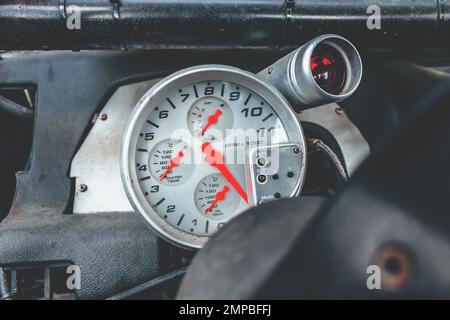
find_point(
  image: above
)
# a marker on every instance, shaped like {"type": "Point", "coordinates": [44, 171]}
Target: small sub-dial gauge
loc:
{"type": "Point", "coordinates": [170, 162]}
{"type": "Point", "coordinates": [209, 118]}
{"type": "Point", "coordinates": [215, 198]}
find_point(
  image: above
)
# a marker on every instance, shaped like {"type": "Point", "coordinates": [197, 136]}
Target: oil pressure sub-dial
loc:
{"type": "Point", "coordinates": [215, 198]}
{"type": "Point", "coordinates": [209, 117]}
{"type": "Point", "coordinates": [170, 162]}
{"type": "Point", "coordinates": [186, 202]}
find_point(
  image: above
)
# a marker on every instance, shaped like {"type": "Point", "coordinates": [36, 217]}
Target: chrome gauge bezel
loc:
{"type": "Point", "coordinates": [159, 91]}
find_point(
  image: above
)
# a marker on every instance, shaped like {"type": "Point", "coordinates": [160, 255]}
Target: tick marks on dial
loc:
{"type": "Point", "coordinates": [267, 117]}
{"type": "Point", "coordinates": [171, 103]}
{"type": "Point", "coordinates": [248, 99]}
{"type": "Point", "coordinates": [152, 123]}
{"type": "Point", "coordinates": [195, 91]}
{"type": "Point", "coordinates": [160, 201]}
{"type": "Point", "coordinates": [180, 220]}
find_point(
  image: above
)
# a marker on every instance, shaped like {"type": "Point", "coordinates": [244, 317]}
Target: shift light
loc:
{"type": "Point", "coordinates": [328, 69]}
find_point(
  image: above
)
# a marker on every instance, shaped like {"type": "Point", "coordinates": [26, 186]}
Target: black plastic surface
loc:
{"type": "Point", "coordinates": [112, 24]}
{"type": "Point", "coordinates": [398, 200]}
{"type": "Point", "coordinates": [115, 251]}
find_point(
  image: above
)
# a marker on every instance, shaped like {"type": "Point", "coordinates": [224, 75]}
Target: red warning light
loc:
{"type": "Point", "coordinates": [328, 68]}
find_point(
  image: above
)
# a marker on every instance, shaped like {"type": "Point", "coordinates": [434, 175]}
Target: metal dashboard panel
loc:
{"type": "Point", "coordinates": [354, 147]}
{"type": "Point", "coordinates": [96, 165]}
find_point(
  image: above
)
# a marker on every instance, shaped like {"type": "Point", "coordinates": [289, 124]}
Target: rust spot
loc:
{"type": "Point", "coordinates": [395, 265]}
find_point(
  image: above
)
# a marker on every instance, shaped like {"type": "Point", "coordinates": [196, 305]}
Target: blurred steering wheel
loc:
{"type": "Point", "coordinates": [385, 236]}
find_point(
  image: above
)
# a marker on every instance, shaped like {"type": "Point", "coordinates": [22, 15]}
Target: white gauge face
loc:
{"type": "Point", "coordinates": [215, 198]}
{"type": "Point", "coordinates": [204, 115]}
{"type": "Point", "coordinates": [186, 149]}
{"type": "Point", "coordinates": [167, 162]}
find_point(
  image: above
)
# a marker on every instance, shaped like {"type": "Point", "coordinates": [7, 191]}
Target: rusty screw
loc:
{"type": "Point", "coordinates": [339, 111]}
{"type": "Point", "coordinates": [396, 266]}
{"type": "Point", "coordinates": [103, 116]}
{"type": "Point", "coordinates": [82, 188]}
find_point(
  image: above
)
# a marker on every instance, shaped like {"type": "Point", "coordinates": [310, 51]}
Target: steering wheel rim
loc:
{"type": "Point", "coordinates": [390, 216]}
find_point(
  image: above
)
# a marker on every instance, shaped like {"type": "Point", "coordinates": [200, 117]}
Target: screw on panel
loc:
{"type": "Point", "coordinates": [262, 178]}
{"type": "Point", "coordinates": [82, 188]}
{"type": "Point", "coordinates": [297, 150]}
{"type": "Point", "coordinates": [261, 162]}
{"type": "Point", "coordinates": [103, 116]}
{"type": "Point", "coordinates": [339, 111]}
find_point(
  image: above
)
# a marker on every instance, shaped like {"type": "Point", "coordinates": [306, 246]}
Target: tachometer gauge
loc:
{"type": "Point", "coordinates": [204, 145]}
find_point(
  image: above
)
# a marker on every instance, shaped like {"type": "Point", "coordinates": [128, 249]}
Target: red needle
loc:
{"type": "Point", "coordinates": [215, 159]}
{"type": "Point", "coordinates": [175, 161]}
{"type": "Point", "coordinates": [219, 197]}
{"type": "Point", "coordinates": [212, 119]}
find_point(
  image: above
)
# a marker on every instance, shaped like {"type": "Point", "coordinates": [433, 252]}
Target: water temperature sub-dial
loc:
{"type": "Point", "coordinates": [209, 118]}
{"type": "Point", "coordinates": [215, 198]}
{"type": "Point", "coordinates": [170, 162]}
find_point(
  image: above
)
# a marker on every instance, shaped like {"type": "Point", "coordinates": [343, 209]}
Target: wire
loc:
{"type": "Point", "coordinates": [150, 284]}
{"type": "Point", "coordinates": [15, 109]}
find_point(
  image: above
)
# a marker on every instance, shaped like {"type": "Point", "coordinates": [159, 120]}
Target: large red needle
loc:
{"type": "Point", "coordinates": [220, 196]}
{"type": "Point", "coordinates": [212, 119]}
{"type": "Point", "coordinates": [215, 159]}
{"type": "Point", "coordinates": [175, 161]}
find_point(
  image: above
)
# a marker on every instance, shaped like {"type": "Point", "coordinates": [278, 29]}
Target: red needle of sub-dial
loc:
{"type": "Point", "coordinates": [212, 119]}
{"type": "Point", "coordinates": [215, 159]}
{"type": "Point", "coordinates": [175, 161]}
{"type": "Point", "coordinates": [220, 196]}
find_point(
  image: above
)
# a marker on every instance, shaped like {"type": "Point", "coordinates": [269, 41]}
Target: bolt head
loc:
{"type": "Point", "coordinates": [103, 116]}
{"type": "Point", "coordinates": [339, 111]}
{"type": "Point", "coordinates": [262, 178]}
{"type": "Point", "coordinates": [297, 150]}
{"type": "Point", "coordinates": [261, 162]}
{"type": "Point", "coordinates": [82, 188]}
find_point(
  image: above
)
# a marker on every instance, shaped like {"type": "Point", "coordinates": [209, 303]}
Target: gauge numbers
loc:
{"type": "Point", "coordinates": [176, 131]}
